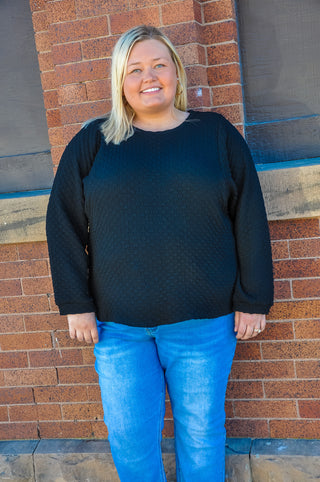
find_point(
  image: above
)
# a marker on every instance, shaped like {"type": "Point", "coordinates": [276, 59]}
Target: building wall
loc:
{"type": "Point", "coordinates": [48, 383]}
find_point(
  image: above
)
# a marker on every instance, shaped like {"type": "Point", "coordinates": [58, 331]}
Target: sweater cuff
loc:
{"type": "Point", "coordinates": [77, 308]}
{"type": "Point", "coordinates": [257, 309]}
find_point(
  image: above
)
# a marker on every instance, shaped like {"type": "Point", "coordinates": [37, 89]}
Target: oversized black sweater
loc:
{"type": "Point", "coordinates": [164, 227]}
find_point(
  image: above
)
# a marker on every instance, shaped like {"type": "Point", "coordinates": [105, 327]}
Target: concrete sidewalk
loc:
{"type": "Point", "coordinates": [57, 460]}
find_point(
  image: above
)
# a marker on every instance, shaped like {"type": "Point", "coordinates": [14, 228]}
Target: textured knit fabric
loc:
{"type": "Point", "coordinates": [164, 227]}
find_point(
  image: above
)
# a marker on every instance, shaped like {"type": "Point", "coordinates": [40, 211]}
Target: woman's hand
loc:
{"type": "Point", "coordinates": [248, 325]}
{"type": "Point", "coordinates": [83, 327]}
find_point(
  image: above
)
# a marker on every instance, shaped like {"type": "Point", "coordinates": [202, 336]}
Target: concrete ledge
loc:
{"type": "Point", "coordinates": [267, 460]}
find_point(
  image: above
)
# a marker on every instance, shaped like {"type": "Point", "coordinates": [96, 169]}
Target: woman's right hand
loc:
{"type": "Point", "coordinates": [83, 327]}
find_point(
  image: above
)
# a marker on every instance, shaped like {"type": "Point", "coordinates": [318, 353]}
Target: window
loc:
{"type": "Point", "coordinates": [25, 162]}
{"type": "Point", "coordinates": [279, 43]}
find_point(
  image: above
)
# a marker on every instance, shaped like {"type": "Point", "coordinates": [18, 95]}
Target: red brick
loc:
{"type": "Point", "coordinates": [244, 389]}
{"type": "Point", "coordinates": [197, 75]}
{"type": "Point", "coordinates": [32, 377]}
{"type": "Point", "coordinates": [3, 415]}
{"type": "Point", "coordinates": [297, 268]}
{"type": "Point", "coordinates": [88, 356]}
{"type": "Point", "coordinates": [223, 54]}
{"type": "Point", "coordinates": [33, 250]}
{"type": "Point", "coordinates": [309, 288]}
{"type": "Point", "coordinates": [25, 413]}
{"type": "Point", "coordinates": [290, 350]}
{"type": "Point", "coordinates": [48, 80]}
{"type": "Point", "coordinates": [228, 94]}
{"type": "Point", "coordinates": [10, 287]}
{"type": "Point", "coordinates": [262, 370]}
{"type": "Point", "coordinates": [60, 394]}
{"type": "Point", "coordinates": [294, 229]}
{"type": "Point", "coordinates": [248, 351]}
{"type": "Point", "coordinates": [61, 11]}
{"type": "Point", "coordinates": [282, 290]}
{"type": "Point", "coordinates": [98, 48]}
{"type": "Point", "coordinates": [78, 375]}
{"type": "Point", "coordinates": [280, 250]}
{"type": "Point", "coordinates": [18, 431]}
{"type": "Point", "coordinates": [295, 310]}
{"type": "Point", "coordinates": [309, 408]}
{"type": "Point", "coordinates": [49, 321]}
{"type": "Point", "coordinates": [177, 12]}
{"type": "Point", "coordinates": [53, 118]}
{"type": "Point", "coordinates": [43, 41]}
{"type": "Point", "coordinates": [292, 389]}
{"type": "Point", "coordinates": [24, 304]}
{"type": "Point", "coordinates": [8, 252]}
{"type": "Point", "coordinates": [83, 112]}
{"type": "Point", "coordinates": [278, 331]}
{"type": "Point", "coordinates": [49, 412]}
{"type": "Point", "coordinates": [16, 395]}
{"type": "Point", "coordinates": [307, 329]}
{"type": "Point", "coordinates": [94, 394]}
{"type": "Point", "coordinates": [183, 33]}
{"type": "Point", "coordinates": [233, 113]}
{"type": "Point", "coordinates": [23, 269]}
{"type": "Point", "coordinates": [224, 74]}
{"type": "Point", "coordinates": [45, 61]}
{"type": "Point", "coordinates": [36, 5]}
{"type": "Point", "coordinates": [2, 380]}
{"type": "Point", "coordinates": [219, 10]}
{"type": "Point", "coordinates": [40, 21]}
{"type": "Point", "coordinates": [65, 53]}
{"type": "Point", "coordinates": [265, 408]}
{"type": "Point", "coordinates": [78, 30]}
{"type": "Point", "coordinates": [145, 3]}
{"type": "Point", "coordinates": [295, 429]}
{"type": "Point", "coordinates": [56, 153]}
{"type": "Point", "coordinates": [168, 411]}
{"type": "Point", "coordinates": [219, 32]}
{"type": "Point", "coordinates": [306, 248]}
{"type": "Point", "coordinates": [83, 71]}
{"type": "Point", "coordinates": [37, 286]}
{"type": "Point", "coordinates": [98, 90]}
{"type": "Point", "coordinates": [52, 304]}
{"type": "Point", "coordinates": [308, 369]}
{"type": "Point", "coordinates": [192, 54]}
{"type": "Point", "coordinates": [65, 429]}
{"type": "Point", "coordinates": [228, 407]}
{"type": "Point", "coordinates": [69, 131]}
{"type": "Point", "coordinates": [11, 323]}
{"type": "Point", "coordinates": [25, 341]}
{"type": "Point", "coordinates": [71, 94]}
{"type": "Point", "coordinates": [55, 358]}
{"type": "Point", "coordinates": [91, 8]}
{"type": "Point", "coordinates": [56, 136]}
{"type": "Point", "coordinates": [80, 411]}
{"type": "Point", "coordinates": [13, 360]}
{"type": "Point", "coordinates": [99, 430]}
{"type": "Point", "coordinates": [50, 99]}
{"type": "Point", "coordinates": [63, 340]}
{"type": "Point", "coordinates": [168, 429]}
{"type": "Point", "coordinates": [120, 22]}
{"type": "Point", "coordinates": [247, 428]}
{"type": "Point", "coordinates": [199, 97]}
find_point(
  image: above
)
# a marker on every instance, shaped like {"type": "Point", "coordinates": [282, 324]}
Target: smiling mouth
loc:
{"type": "Point", "coordinates": [153, 89]}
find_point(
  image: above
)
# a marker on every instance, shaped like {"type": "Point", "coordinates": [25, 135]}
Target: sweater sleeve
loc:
{"type": "Point", "coordinates": [254, 288]}
{"type": "Point", "coordinates": [67, 224]}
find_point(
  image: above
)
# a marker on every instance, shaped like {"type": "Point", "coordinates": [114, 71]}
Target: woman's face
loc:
{"type": "Point", "coordinates": [151, 78]}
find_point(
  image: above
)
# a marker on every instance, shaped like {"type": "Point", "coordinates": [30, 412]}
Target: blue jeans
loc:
{"type": "Point", "coordinates": [134, 364]}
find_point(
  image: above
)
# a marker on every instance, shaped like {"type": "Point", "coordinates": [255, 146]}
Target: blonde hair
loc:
{"type": "Point", "coordinates": [118, 125]}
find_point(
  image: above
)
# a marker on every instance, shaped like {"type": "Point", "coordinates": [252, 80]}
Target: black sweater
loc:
{"type": "Point", "coordinates": [164, 227]}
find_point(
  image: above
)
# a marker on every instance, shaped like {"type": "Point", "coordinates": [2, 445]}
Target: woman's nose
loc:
{"type": "Point", "coordinates": [149, 74]}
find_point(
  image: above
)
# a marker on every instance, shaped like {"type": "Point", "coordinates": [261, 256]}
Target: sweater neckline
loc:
{"type": "Point", "coordinates": [190, 112]}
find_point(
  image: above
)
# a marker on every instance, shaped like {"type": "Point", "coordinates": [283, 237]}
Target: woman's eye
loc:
{"type": "Point", "coordinates": [159, 66]}
{"type": "Point", "coordinates": [135, 71]}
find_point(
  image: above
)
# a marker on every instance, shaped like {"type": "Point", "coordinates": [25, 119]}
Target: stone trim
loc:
{"type": "Point", "coordinates": [73, 460]}
{"type": "Point", "coordinates": [289, 193]}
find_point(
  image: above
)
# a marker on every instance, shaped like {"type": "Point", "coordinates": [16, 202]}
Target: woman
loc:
{"type": "Point", "coordinates": [156, 227]}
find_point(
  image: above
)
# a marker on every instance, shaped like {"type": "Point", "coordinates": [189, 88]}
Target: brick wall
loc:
{"type": "Point", "coordinates": [48, 383]}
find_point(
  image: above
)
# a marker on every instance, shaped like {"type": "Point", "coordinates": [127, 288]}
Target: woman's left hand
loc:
{"type": "Point", "coordinates": [248, 325]}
